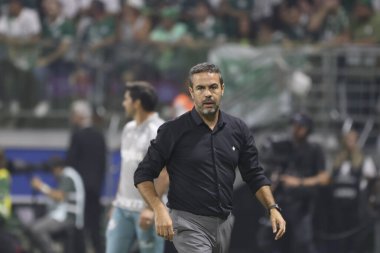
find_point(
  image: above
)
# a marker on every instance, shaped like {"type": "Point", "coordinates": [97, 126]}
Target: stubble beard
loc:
{"type": "Point", "coordinates": [210, 111]}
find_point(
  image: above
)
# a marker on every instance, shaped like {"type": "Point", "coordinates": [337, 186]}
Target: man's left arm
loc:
{"type": "Point", "coordinates": [55, 194]}
{"type": "Point", "coordinates": [161, 185]}
{"type": "Point", "coordinates": [265, 196]}
{"type": "Point", "coordinates": [253, 174]}
{"type": "Point", "coordinates": [162, 182]}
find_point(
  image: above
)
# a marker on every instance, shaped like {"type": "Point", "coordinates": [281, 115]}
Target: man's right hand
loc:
{"type": "Point", "coordinates": [163, 222]}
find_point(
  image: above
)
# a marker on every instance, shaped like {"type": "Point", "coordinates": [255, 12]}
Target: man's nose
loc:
{"type": "Point", "coordinates": [208, 93]}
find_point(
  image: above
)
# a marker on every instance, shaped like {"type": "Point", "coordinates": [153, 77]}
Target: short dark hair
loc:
{"type": "Point", "coordinates": [204, 67]}
{"type": "Point", "coordinates": [143, 91]}
{"type": "Point", "coordinates": [55, 162]}
{"type": "Point", "coordinates": [303, 119]}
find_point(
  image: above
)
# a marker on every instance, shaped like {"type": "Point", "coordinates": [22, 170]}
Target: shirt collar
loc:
{"type": "Point", "coordinates": [198, 120]}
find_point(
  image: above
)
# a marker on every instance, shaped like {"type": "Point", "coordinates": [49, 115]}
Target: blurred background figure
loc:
{"type": "Point", "coordinates": [67, 208]}
{"type": "Point", "coordinates": [96, 35]}
{"type": "Point", "coordinates": [134, 25]}
{"type": "Point", "coordinates": [301, 165]}
{"type": "Point", "coordinates": [87, 153]}
{"type": "Point", "coordinates": [131, 221]}
{"type": "Point", "coordinates": [365, 29]}
{"type": "Point", "coordinates": [7, 243]}
{"type": "Point", "coordinates": [5, 185]}
{"type": "Point", "coordinates": [20, 30]}
{"type": "Point", "coordinates": [350, 181]}
{"type": "Point", "coordinates": [53, 63]}
{"type": "Point", "coordinates": [204, 27]}
{"type": "Point", "coordinates": [329, 23]}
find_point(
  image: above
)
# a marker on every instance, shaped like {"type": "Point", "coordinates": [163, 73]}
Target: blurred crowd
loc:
{"type": "Point", "coordinates": [55, 51]}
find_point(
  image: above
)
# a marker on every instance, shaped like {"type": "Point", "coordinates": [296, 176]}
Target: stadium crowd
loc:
{"type": "Point", "coordinates": [56, 51]}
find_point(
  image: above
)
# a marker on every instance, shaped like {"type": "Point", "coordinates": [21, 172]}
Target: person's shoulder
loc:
{"type": "Point", "coordinates": [158, 121]}
{"type": "Point", "coordinates": [233, 120]}
{"type": "Point", "coordinates": [179, 120]}
{"type": "Point", "coordinates": [153, 125]}
{"type": "Point", "coordinates": [130, 124]}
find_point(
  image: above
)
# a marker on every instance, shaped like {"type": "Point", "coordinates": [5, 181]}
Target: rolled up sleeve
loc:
{"type": "Point", "coordinates": [250, 169]}
{"type": "Point", "coordinates": [156, 156]}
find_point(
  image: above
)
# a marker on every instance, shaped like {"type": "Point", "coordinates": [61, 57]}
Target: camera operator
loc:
{"type": "Point", "coordinates": [67, 207]}
{"type": "Point", "coordinates": [300, 168]}
{"type": "Point", "coordinates": [350, 183]}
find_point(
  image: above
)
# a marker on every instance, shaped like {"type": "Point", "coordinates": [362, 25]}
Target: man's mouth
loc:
{"type": "Point", "coordinates": [208, 104]}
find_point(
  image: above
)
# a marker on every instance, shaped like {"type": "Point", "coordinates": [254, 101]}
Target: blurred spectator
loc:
{"type": "Point", "coordinates": [329, 23]}
{"type": "Point", "coordinates": [87, 154]}
{"type": "Point", "coordinates": [112, 7]}
{"type": "Point", "coordinates": [246, 32]}
{"type": "Point", "coordinates": [167, 35]}
{"type": "Point", "coordinates": [230, 11]}
{"type": "Point", "coordinates": [294, 18]}
{"type": "Point", "coordinates": [98, 36]}
{"type": "Point", "coordinates": [265, 32]}
{"type": "Point", "coordinates": [365, 28]}
{"type": "Point", "coordinates": [57, 36]}
{"type": "Point", "coordinates": [204, 26]}
{"type": "Point", "coordinates": [349, 181]}
{"type": "Point", "coordinates": [263, 9]}
{"type": "Point", "coordinates": [5, 184]}
{"type": "Point", "coordinates": [70, 8]}
{"type": "Point", "coordinates": [96, 47]}
{"type": "Point", "coordinates": [169, 30]}
{"type": "Point", "coordinates": [133, 33]}
{"type": "Point", "coordinates": [8, 243]}
{"type": "Point", "coordinates": [134, 25]}
{"type": "Point", "coordinates": [301, 167]}
{"type": "Point", "coordinates": [66, 210]}
{"type": "Point", "coordinates": [19, 32]}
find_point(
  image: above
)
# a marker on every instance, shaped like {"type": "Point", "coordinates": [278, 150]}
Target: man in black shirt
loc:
{"type": "Point", "coordinates": [87, 153]}
{"type": "Point", "coordinates": [201, 150]}
{"type": "Point", "coordinates": [301, 168]}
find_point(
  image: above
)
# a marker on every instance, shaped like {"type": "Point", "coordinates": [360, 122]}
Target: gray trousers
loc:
{"type": "Point", "coordinates": [43, 228]}
{"type": "Point", "coordinates": [201, 234]}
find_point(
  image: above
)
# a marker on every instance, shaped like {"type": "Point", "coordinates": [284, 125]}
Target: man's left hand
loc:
{"type": "Point", "coordinates": [278, 223]}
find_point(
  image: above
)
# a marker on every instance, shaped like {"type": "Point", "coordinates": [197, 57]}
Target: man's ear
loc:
{"type": "Point", "coordinates": [191, 92]}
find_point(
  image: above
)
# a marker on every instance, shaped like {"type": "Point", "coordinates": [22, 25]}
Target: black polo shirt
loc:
{"type": "Point", "coordinates": [201, 162]}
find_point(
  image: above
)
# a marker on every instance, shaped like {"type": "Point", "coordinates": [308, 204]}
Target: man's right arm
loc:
{"type": "Point", "coordinates": [149, 169]}
{"type": "Point", "coordinates": [163, 222]}
{"type": "Point", "coordinates": [161, 184]}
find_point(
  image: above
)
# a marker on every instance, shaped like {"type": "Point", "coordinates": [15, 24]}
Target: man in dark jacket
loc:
{"type": "Point", "coordinates": [301, 168]}
{"type": "Point", "coordinates": [87, 154]}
